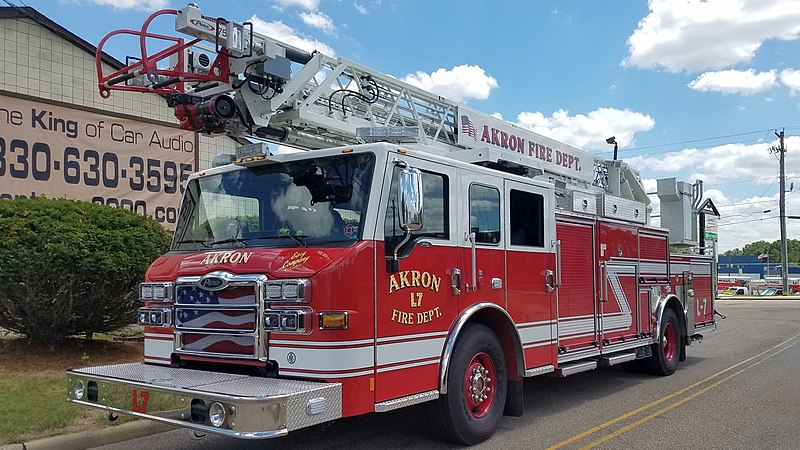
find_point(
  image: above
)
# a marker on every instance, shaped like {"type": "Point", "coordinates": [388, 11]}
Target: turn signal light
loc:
{"type": "Point", "coordinates": [333, 320]}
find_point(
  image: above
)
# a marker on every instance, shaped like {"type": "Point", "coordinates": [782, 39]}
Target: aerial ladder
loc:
{"type": "Point", "coordinates": [251, 86]}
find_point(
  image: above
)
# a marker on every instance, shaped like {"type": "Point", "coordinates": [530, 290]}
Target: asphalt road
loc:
{"type": "Point", "coordinates": [738, 389]}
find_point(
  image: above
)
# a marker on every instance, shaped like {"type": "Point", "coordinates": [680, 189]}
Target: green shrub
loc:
{"type": "Point", "coordinates": [70, 267]}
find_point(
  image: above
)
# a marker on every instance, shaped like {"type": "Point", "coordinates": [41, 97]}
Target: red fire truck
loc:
{"type": "Point", "coordinates": [418, 251]}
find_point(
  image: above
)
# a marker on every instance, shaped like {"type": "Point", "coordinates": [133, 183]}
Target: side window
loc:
{"type": "Point", "coordinates": [527, 219]}
{"type": "Point", "coordinates": [484, 213]}
{"type": "Point", "coordinates": [435, 210]}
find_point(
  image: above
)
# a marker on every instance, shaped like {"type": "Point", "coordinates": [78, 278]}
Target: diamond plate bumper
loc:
{"type": "Point", "coordinates": [255, 407]}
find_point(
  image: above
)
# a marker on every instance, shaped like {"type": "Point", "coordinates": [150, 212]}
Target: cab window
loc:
{"type": "Point", "coordinates": [484, 213]}
{"type": "Point", "coordinates": [435, 211]}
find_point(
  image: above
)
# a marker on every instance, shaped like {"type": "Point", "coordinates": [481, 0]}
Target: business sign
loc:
{"type": "Point", "coordinates": [712, 225]}
{"type": "Point", "coordinates": [55, 152]}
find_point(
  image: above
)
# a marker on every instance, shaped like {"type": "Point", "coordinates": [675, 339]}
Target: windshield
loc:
{"type": "Point", "coordinates": [301, 203]}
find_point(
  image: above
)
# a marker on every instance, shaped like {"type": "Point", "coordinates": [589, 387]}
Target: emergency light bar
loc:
{"type": "Point", "coordinates": [395, 135]}
{"type": "Point", "coordinates": [250, 153]}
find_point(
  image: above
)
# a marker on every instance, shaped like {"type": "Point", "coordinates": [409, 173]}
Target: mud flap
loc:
{"type": "Point", "coordinates": [515, 400]}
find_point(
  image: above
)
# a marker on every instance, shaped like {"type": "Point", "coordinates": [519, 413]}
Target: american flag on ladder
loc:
{"type": "Point", "coordinates": [467, 127]}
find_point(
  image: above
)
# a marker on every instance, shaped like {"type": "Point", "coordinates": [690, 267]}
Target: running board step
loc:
{"type": "Point", "coordinates": [568, 369]}
{"type": "Point", "coordinates": [619, 358]}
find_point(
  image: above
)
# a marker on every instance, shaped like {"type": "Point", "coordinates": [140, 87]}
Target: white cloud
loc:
{"type": "Point", "coordinates": [694, 35]}
{"type": "Point", "coordinates": [318, 20]}
{"type": "Point", "coordinates": [743, 82]}
{"type": "Point", "coordinates": [791, 78]}
{"type": "Point", "coordinates": [362, 9]}
{"type": "Point", "coordinates": [282, 32]}
{"type": "Point", "coordinates": [366, 6]}
{"type": "Point", "coordinates": [459, 84]}
{"type": "Point", "coordinates": [720, 164]}
{"type": "Point", "coordinates": [591, 130]}
{"type": "Point", "coordinates": [732, 173]}
{"type": "Point", "coordinates": [311, 5]}
{"type": "Point", "coordinates": [146, 5]}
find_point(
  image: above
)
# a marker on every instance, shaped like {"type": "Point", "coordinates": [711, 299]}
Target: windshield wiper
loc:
{"type": "Point", "coordinates": [193, 241]}
{"type": "Point", "coordinates": [228, 241]}
{"type": "Point", "coordinates": [301, 240]}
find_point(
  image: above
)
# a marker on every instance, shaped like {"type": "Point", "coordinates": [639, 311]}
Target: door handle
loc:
{"type": "Point", "coordinates": [549, 280]}
{"type": "Point", "coordinates": [455, 281]}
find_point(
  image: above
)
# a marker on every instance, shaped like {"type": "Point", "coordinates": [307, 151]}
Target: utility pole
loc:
{"type": "Point", "coordinates": [784, 250]}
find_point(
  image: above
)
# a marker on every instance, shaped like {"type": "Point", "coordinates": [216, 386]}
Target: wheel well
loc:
{"type": "Point", "coordinates": [675, 305]}
{"type": "Point", "coordinates": [502, 326]}
{"type": "Point", "coordinates": [509, 337]}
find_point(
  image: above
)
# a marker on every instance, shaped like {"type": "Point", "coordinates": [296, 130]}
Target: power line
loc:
{"type": "Point", "coordinates": [737, 182]}
{"type": "Point", "coordinates": [746, 221]}
{"type": "Point", "coordinates": [693, 141]}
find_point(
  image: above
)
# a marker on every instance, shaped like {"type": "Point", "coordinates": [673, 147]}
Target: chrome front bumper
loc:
{"type": "Point", "coordinates": [255, 407]}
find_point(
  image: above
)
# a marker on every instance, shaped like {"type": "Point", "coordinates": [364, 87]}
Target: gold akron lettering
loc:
{"type": "Point", "coordinates": [227, 257]}
{"type": "Point", "coordinates": [413, 278]}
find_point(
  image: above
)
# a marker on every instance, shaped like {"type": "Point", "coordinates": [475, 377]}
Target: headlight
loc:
{"type": "Point", "coordinates": [216, 414]}
{"type": "Point", "coordinates": [155, 317]}
{"type": "Point", "coordinates": [78, 390]}
{"type": "Point", "coordinates": [288, 320]}
{"type": "Point", "coordinates": [156, 292]}
{"type": "Point", "coordinates": [289, 290]}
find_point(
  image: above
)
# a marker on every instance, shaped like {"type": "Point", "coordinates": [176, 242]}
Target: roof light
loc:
{"type": "Point", "coordinates": [250, 153]}
{"type": "Point", "coordinates": [388, 134]}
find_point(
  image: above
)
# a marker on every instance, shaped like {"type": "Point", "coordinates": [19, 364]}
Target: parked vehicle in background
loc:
{"type": "Point", "coordinates": [770, 291]}
{"type": "Point", "coordinates": [734, 291]}
{"type": "Point", "coordinates": [728, 281]}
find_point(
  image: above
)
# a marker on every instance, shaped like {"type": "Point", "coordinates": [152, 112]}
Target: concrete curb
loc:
{"type": "Point", "coordinates": [94, 438]}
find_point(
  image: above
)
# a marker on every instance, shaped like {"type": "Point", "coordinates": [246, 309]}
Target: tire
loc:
{"type": "Point", "coordinates": [667, 351]}
{"type": "Point", "coordinates": [476, 388]}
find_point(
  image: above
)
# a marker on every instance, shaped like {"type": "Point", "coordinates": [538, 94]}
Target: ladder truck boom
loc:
{"type": "Point", "coordinates": [254, 85]}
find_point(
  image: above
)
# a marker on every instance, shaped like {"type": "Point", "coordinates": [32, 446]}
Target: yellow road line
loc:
{"type": "Point", "coordinates": [674, 405]}
{"type": "Point", "coordinates": [655, 403]}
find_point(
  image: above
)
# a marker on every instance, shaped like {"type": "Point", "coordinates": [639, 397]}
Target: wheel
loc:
{"type": "Point", "coordinates": [667, 351]}
{"type": "Point", "coordinates": [476, 388]}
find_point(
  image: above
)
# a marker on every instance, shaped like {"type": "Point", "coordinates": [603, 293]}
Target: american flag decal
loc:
{"type": "Point", "coordinates": [218, 343]}
{"type": "Point", "coordinates": [193, 295]}
{"type": "Point", "coordinates": [216, 319]}
{"type": "Point", "coordinates": [467, 127]}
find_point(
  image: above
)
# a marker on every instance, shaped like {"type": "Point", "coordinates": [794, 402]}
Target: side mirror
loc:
{"type": "Point", "coordinates": [410, 194]}
{"type": "Point", "coordinates": [410, 199]}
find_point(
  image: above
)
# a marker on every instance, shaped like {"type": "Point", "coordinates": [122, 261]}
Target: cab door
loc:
{"type": "Point", "coordinates": [531, 268]}
{"type": "Point", "coordinates": [415, 304]}
{"type": "Point", "coordinates": [481, 239]}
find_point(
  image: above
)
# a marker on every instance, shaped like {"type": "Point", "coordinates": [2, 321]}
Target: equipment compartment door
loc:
{"type": "Point", "coordinates": [619, 303]}
{"type": "Point", "coordinates": [577, 316]}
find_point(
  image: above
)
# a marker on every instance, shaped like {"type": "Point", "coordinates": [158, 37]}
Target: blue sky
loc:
{"type": "Point", "coordinates": [691, 89]}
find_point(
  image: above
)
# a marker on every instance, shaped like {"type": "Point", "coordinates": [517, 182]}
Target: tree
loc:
{"type": "Point", "coordinates": [69, 267]}
{"type": "Point", "coordinates": [773, 249]}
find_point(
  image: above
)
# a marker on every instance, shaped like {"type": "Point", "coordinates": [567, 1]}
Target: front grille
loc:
{"type": "Point", "coordinates": [216, 319]}
{"type": "Point", "coordinates": [236, 295]}
{"type": "Point", "coordinates": [221, 344]}
{"type": "Point", "coordinates": [219, 323]}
